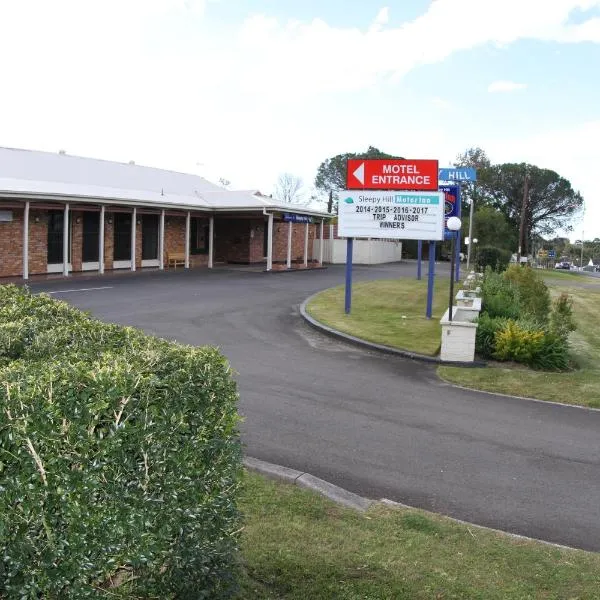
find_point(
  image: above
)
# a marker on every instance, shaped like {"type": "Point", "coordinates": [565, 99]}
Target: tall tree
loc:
{"type": "Point", "coordinates": [331, 175]}
{"type": "Point", "coordinates": [288, 188]}
{"type": "Point", "coordinates": [552, 202]}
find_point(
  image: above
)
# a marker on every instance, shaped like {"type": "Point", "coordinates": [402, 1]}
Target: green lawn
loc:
{"type": "Point", "coordinates": [580, 386]}
{"type": "Point", "coordinates": [390, 312]}
{"type": "Point", "coordinates": [297, 545]}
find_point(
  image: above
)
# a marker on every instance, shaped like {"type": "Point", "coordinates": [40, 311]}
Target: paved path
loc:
{"type": "Point", "coordinates": [376, 425]}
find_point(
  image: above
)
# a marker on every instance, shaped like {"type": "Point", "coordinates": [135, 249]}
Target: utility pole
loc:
{"type": "Point", "coordinates": [523, 216]}
{"type": "Point", "coordinates": [470, 228]}
{"type": "Point", "coordinates": [581, 261]}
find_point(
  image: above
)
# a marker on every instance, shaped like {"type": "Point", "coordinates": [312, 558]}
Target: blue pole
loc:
{"type": "Point", "coordinates": [457, 256]}
{"type": "Point", "coordinates": [348, 302]}
{"type": "Point", "coordinates": [419, 258]}
{"type": "Point", "coordinates": [430, 280]}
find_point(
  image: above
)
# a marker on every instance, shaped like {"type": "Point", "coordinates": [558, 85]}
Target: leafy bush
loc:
{"type": "Point", "coordinates": [517, 343]}
{"type": "Point", "coordinates": [526, 343]}
{"type": "Point", "coordinates": [534, 297]}
{"type": "Point", "coordinates": [495, 258]}
{"type": "Point", "coordinates": [500, 298]}
{"type": "Point", "coordinates": [119, 459]}
{"type": "Point", "coordinates": [561, 317]}
{"type": "Point", "coordinates": [485, 340]}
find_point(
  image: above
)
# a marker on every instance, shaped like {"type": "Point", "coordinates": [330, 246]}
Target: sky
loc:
{"type": "Point", "coordinates": [248, 89]}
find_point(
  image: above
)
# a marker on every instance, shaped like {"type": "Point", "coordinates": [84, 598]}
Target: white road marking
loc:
{"type": "Point", "coordinates": [106, 287]}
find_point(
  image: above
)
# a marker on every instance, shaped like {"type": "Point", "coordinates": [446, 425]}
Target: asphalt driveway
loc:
{"type": "Point", "coordinates": [376, 425]}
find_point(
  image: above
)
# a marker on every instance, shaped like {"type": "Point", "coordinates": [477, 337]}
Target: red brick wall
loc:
{"type": "Point", "coordinates": [174, 236]}
{"type": "Point", "coordinates": [138, 243]}
{"type": "Point", "coordinates": [233, 241]}
{"type": "Point", "coordinates": [11, 245]}
{"type": "Point", "coordinates": [38, 242]}
{"type": "Point", "coordinates": [280, 241]}
{"type": "Point", "coordinates": [257, 240]}
{"type": "Point", "coordinates": [76, 239]}
{"type": "Point", "coordinates": [108, 240]}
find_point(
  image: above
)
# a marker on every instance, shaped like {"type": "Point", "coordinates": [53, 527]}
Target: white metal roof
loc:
{"type": "Point", "coordinates": [44, 175]}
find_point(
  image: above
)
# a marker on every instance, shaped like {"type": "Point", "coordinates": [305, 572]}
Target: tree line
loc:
{"type": "Point", "coordinates": [516, 204]}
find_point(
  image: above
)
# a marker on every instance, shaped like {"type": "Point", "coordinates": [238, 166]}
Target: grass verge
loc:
{"type": "Point", "coordinates": [390, 312]}
{"type": "Point", "coordinates": [580, 386]}
{"type": "Point", "coordinates": [298, 545]}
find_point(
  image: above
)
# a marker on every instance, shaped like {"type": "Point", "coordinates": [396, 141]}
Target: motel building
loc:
{"type": "Point", "coordinates": [61, 214]}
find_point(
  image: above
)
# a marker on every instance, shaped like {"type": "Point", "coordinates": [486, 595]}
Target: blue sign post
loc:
{"type": "Point", "coordinates": [430, 280]}
{"type": "Point", "coordinates": [419, 258]}
{"type": "Point", "coordinates": [348, 297]}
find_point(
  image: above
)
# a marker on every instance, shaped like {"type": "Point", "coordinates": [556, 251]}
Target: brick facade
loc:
{"type": "Point", "coordinates": [11, 245]}
{"type": "Point", "coordinates": [280, 241]}
{"type": "Point", "coordinates": [237, 240]}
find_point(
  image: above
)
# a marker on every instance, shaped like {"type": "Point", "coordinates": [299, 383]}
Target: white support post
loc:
{"type": "Point", "coordinates": [188, 221]}
{"type": "Point", "coordinates": [101, 242]}
{"type": "Point", "coordinates": [321, 243]}
{"type": "Point", "coordinates": [270, 243]}
{"type": "Point", "coordinates": [26, 241]}
{"type": "Point", "coordinates": [306, 245]}
{"type": "Point", "coordinates": [211, 242]}
{"type": "Point", "coordinates": [66, 241]}
{"type": "Point", "coordinates": [133, 232]}
{"type": "Point", "coordinates": [161, 241]}
{"type": "Point", "coordinates": [289, 247]}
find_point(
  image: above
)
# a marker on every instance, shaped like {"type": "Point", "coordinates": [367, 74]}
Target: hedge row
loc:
{"type": "Point", "coordinates": [119, 459]}
{"type": "Point", "coordinates": [519, 323]}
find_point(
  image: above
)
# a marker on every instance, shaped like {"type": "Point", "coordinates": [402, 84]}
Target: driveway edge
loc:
{"type": "Point", "coordinates": [346, 337]}
{"type": "Point", "coordinates": [351, 500]}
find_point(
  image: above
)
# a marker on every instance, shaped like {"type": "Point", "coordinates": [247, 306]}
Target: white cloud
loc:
{"type": "Point", "coordinates": [505, 86]}
{"type": "Point", "coordinates": [382, 18]}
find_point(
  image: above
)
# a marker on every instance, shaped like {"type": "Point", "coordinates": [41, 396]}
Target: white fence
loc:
{"type": "Point", "coordinates": [365, 252]}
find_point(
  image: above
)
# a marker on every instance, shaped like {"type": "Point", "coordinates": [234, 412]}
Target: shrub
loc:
{"type": "Point", "coordinates": [534, 297]}
{"type": "Point", "coordinates": [495, 258]}
{"type": "Point", "coordinates": [119, 460]}
{"type": "Point", "coordinates": [485, 340]}
{"type": "Point", "coordinates": [500, 298]}
{"type": "Point", "coordinates": [517, 343]}
{"type": "Point", "coordinates": [561, 317]}
{"type": "Point", "coordinates": [526, 343]}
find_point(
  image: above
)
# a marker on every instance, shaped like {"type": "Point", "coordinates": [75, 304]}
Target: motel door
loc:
{"type": "Point", "coordinates": [149, 238]}
{"type": "Point", "coordinates": [122, 238]}
{"type": "Point", "coordinates": [91, 238]}
{"type": "Point", "coordinates": [55, 241]}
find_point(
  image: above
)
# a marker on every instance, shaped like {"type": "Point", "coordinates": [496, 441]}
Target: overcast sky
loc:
{"type": "Point", "coordinates": [247, 89]}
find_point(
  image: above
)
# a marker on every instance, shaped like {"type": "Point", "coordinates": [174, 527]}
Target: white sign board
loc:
{"type": "Point", "coordinates": [398, 215]}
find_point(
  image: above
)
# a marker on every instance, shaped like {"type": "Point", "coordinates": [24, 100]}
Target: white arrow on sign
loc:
{"type": "Point", "coordinates": [360, 173]}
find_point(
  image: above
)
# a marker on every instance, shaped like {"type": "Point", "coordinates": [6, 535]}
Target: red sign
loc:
{"type": "Point", "coordinates": [392, 174]}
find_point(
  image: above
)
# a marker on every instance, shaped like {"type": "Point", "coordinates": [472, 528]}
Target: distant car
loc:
{"type": "Point", "coordinates": [563, 265]}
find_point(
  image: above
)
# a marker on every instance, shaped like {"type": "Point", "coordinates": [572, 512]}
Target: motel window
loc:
{"type": "Point", "coordinates": [199, 236]}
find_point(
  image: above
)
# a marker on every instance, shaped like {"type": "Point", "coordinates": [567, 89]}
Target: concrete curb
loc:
{"type": "Point", "coordinates": [351, 500]}
{"type": "Point", "coordinates": [306, 480]}
{"type": "Point", "coordinates": [346, 337]}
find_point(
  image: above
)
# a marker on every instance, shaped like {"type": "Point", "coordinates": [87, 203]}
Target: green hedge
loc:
{"type": "Point", "coordinates": [119, 459]}
{"type": "Point", "coordinates": [495, 258]}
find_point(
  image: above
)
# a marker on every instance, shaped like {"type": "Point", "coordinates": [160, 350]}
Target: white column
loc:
{"type": "Point", "coordinates": [321, 243]}
{"type": "Point", "coordinates": [161, 241]}
{"type": "Point", "coordinates": [270, 243]}
{"type": "Point", "coordinates": [66, 241]}
{"type": "Point", "coordinates": [101, 242]}
{"type": "Point", "coordinates": [26, 241]}
{"type": "Point", "coordinates": [188, 220]}
{"type": "Point", "coordinates": [289, 249]}
{"type": "Point", "coordinates": [133, 232]}
{"type": "Point", "coordinates": [306, 246]}
{"type": "Point", "coordinates": [211, 242]}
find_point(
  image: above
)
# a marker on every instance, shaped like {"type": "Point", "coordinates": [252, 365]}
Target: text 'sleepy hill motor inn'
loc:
{"type": "Point", "coordinates": [62, 214]}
